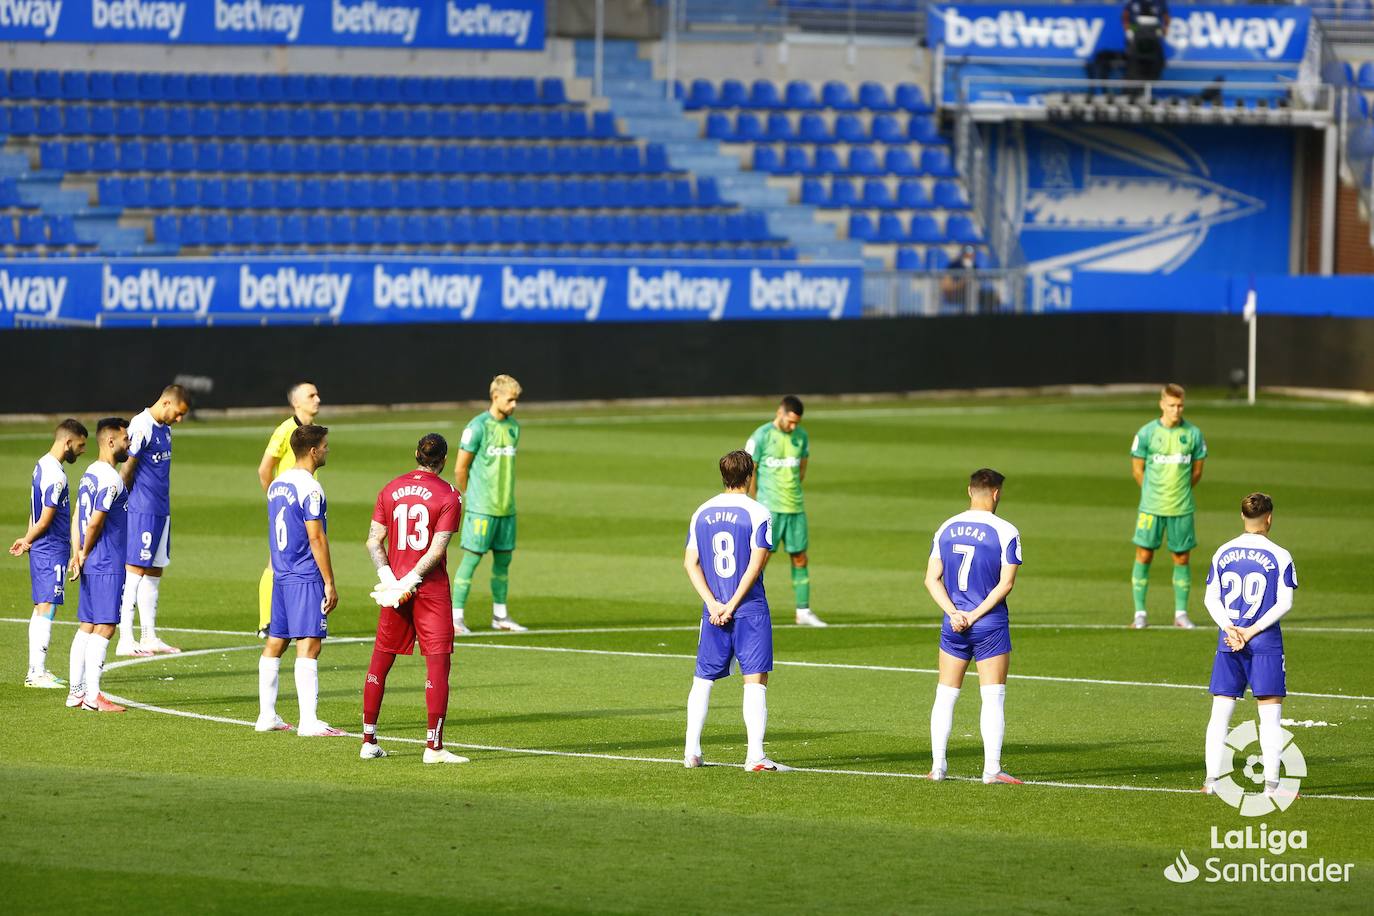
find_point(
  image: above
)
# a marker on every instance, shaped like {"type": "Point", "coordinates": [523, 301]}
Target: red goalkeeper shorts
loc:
{"type": "Point", "coordinates": [428, 615]}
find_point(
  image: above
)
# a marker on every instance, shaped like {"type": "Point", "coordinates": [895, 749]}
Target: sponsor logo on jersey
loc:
{"type": "Point", "coordinates": [282, 19]}
{"type": "Point", "coordinates": [774, 463]}
{"type": "Point", "coordinates": [373, 18]}
{"type": "Point", "coordinates": [500, 451]}
{"type": "Point", "coordinates": [1171, 459]}
{"type": "Point", "coordinates": [139, 16]}
{"type": "Point", "coordinates": [31, 14]}
{"type": "Point", "coordinates": [481, 20]}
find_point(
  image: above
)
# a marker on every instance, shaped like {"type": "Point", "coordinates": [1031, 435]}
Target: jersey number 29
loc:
{"type": "Point", "coordinates": [418, 516]}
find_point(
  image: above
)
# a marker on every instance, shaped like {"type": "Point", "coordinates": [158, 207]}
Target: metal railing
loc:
{"type": "Point", "coordinates": [986, 190]}
{"type": "Point", "coordinates": [899, 293]}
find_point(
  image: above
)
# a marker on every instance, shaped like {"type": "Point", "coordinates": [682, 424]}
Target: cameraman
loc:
{"type": "Point", "coordinates": [1145, 23]}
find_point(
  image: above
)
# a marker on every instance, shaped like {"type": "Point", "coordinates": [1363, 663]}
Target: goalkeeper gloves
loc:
{"type": "Point", "coordinates": [389, 592]}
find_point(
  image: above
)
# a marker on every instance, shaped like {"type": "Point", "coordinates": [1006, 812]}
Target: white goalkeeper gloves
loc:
{"type": "Point", "coordinates": [391, 592]}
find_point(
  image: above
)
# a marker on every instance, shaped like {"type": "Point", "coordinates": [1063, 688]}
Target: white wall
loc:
{"type": "Point", "coordinates": [818, 59]}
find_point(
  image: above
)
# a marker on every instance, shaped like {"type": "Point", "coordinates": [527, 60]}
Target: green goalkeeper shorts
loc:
{"type": "Point", "coordinates": [487, 532]}
{"type": "Point", "coordinates": [789, 531]}
{"type": "Point", "coordinates": [1151, 529]}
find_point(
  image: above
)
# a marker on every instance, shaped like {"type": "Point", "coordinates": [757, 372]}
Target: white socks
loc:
{"type": "Point", "coordinates": [698, 703]}
{"type": "Point", "coordinates": [40, 632]}
{"type": "Point", "coordinates": [126, 606]}
{"type": "Point", "coordinates": [941, 720]}
{"type": "Point", "coordinates": [1271, 738]}
{"type": "Point", "coordinates": [268, 668]}
{"type": "Point", "coordinates": [147, 605]}
{"type": "Point", "coordinates": [95, 664]}
{"type": "Point", "coordinates": [755, 719]}
{"type": "Point", "coordinates": [308, 689]}
{"type": "Point", "coordinates": [76, 666]}
{"type": "Point", "coordinates": [500, 611]}
{"type": "Point", "coordinates": [993, 723]}
{"type": "Point", "coordinates": [1217, 727]}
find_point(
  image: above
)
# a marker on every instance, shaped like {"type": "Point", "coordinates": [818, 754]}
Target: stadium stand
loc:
{"type": "Point", "coordinates": [270, 163]}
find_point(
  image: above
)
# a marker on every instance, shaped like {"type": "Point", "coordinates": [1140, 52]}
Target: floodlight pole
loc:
{"type": "Point", "coordinates": [600, 46]}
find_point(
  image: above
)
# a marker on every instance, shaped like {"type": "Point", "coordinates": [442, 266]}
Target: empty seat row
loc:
{"type": "Point", "coordinates": [192, 156]}
{"type": "Point", "coordinates": [404, 194]}
{"type": "Point", "coordinates": [813, 128]}
{"type": "Point", "coordinates": [9, 194]}
{"type": "Point", "coordinates": [801, 95]}
{"type": "Point", "coordinates": [319, 88]}
{"type": "Point", "coordinates": [935, 258]}
{"type": "Point", "coordinates": [35, 229]}
{"type": "Point", "coordinates": [438, 229]}
{"type": "Point", "coordinates": [924, 228]}
{"type": "Point", "coordinates": [877, 194]}
{"type": "Point", "coordinates": [48, 120]}
{"type": "Point", "coordinates": [860, 160]}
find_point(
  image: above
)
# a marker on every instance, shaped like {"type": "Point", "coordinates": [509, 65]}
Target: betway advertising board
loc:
{"type": "Point", "coordinates": [513, 25]}
{"type": "Point", "coordinates": [133, 291]}
{"type": "Point", "coordinates": [1196, 34]}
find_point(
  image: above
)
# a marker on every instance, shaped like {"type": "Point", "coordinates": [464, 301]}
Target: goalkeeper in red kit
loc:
{"type": "Point", "coordinates": [415, 517]}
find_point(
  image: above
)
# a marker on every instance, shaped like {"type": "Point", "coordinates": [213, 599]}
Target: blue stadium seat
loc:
{"type": "Point", "coordinates": [238, 193]}
{"type": "Point", "coordinates": [186, 192]}
{"type": "Point", "coordinates": [102, 120]}
{"type": "Point", "coordinates": [389, 229]}
{"type": "Point", "coordinates": [842, 194]}
{"type": "Point", "coordinates": [23, 84]}
{"type": "Point", "coordinates": [909, 259]}
{"type": "Point", "coordinates": [128, 121]}
{"type": "Point", "coordinates": [764, 94]}
{"type": "Point", "coordinates": [863, 161]}
{"type": "Point", "coordinates": [701, 95]}
{"type": "Point", "coordinates": [828, 161]}
{"type": "Point", "coordinates": [909, 97]}
{"type": "Point", "coordinates": [732, 95]}
{"type": "Point", "coordinates": [801, 95]}
{"type": "Point", "coordinates": [154, 122]}
{"type": "Point", "coordinates": [836, 95]}
{"type": "Point", "coordinates": [135, 192]}
{"type": "Point", "coordinates": [104, 157]}
{"type": "Point", "coordinates": [33, 230]}
{"type": "Point", "coordinates": [247, 87]}
{"type": "Point", "coordinates": [179, 122]}
{"type": "Point", "coordinates": [950, 195]}
{"type": "Point", "coordinates": [890, 229]}
{"type": "Point", "coordinates": [885, 129]}
{"type": "Point", "coordinates": [109, 192]}
{"type": "Point", "coordinates": [166, 228]}
{"type": "Point", "coordinates": [76, 85]}
{"type": "Point", "coordinates": [317, 229]}
{"type": "Point", "coordinates": [176, 87]}
{"type": "Point", "coordinates": [7, 236]}
{"type": "Point", "coordinates": [961, 229]}
{"type": "Point", "coordinates": [212, 193]}
{"type": "Point", "coordinates": [878, 195]}
{"type": "Point", "coordinates": [860, 227]}
{"type": "Point", "coordinates": [271, 87]}
{"type": "Point", "coordinates": [924, 130]}
{"type": "Point", "coordinates": [222, 88]}
{"type": "Point", "coordinates": [926, 230]}
{"type": "Point", "coordinates": [329, 157]}
{"type": "Point", "coordinates": [216, 229]}
{"type": "Point", "coordinates": [747, 128]}
{"type": "Point", "coordinates": [125, 86]}
{"type": "Point", "coordinates": [1365, 78]}
{"type": "Point", "coordinates": [603, 125]}
{"type": "Point", "coordinates": [160, 192]}
{"type": "Point", "coordinates": [288, 193]}
{"type": "Point", "coordinates": [150, 87]}
{"type": "Point", "coordinates": [53, 155]}
{"type": "Point", "coordinates": [49, 121]}
{"type": "Point", "coordinates": [780, 128]}
{"type": "Point", "coordinates": [100, 86]}
{"type": "Point", "coordinates": [766, 160]}
{"type": "Point", "coordinates": [848, 129]}
{"type": "Point", "coordinates": [183, 156]}
{"type": "Point", "coordinates": [552, 91]}
{"type": "Point", "coordinates": [193, 229]}
{"type": "Point", "coordinates": [935, 161]}
{"type": "Point", "coordinates": [873, 96]}
{"type": "Point", "coordinates": [131, 156]}
{"type": "Point", "coordinates": [233, 157]}
{"type": "Point", "coordinates": [897, 161]}
{"type": "Point", "coordinates": [813, 129]}
{"type": "Point", "coordinates": [813, 192]}
{"type": "Point", "coordinates": [912, 195]}
{"type": "Point", "coordinates": [48, 85]}
{"type": "Point", "coordinates": [198, 87]}
{"type": "Point", "coordinates": [655, 158]}
{"type": "Point", "coordinates": [23, 119]}
{"type": "Point", "coordinates": [341, 230]}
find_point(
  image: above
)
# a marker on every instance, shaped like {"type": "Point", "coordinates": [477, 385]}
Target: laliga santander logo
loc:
{"type": "Point", "coordinates": [1182, 871]}
{"type": "Point", "coordinates": [1257, 804]}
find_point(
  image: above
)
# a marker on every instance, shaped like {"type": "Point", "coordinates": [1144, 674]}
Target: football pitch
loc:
{"type": "Point", "coordinates": [576, 799]}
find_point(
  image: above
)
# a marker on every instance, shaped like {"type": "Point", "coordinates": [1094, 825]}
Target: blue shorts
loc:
{"type": "Point", "coordinates": [100, 595]}
{"type": "Point", "coordinates": [749, 639]}
{"type": "Point", "coordinates": [296, 610]}
{"type": "Point", "coordinates": [1233, 671]}
{"type": "Point", "coordinates": [987, 638]}
{"type": "Point", "coordinates": [148, 540]}
{"type": "Point", "coordinates": [48, 575]}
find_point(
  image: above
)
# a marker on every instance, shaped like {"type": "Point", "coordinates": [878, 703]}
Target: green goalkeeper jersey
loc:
{"type": "Point", "coordinates": [1169, 455]}
{"type": "Point", "coordinates": [491, 481]}
{"type": "Point", "coordinates": [778, 457]}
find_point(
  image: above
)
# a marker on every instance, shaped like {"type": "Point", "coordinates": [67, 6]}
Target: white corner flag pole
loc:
{"type": "Point", "coordinates": [1252, 320]}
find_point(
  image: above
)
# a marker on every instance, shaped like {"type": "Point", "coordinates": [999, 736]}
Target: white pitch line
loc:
{"type": "Point", "coordinates": [587, 755]}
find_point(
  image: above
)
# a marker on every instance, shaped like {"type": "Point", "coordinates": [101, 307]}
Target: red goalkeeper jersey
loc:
{"type": "Point", "coordinates": [414, 508]}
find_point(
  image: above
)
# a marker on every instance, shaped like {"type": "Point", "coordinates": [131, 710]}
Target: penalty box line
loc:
{"type": "Point", "coordinates": [587, 755]}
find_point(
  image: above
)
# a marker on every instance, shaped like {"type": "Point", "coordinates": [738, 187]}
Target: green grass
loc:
{"type": "Point", "coordinates": [163, 813]}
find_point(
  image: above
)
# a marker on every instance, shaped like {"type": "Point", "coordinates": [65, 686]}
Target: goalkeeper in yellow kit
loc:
{"type": "Point", "coordinates": [304, 399]}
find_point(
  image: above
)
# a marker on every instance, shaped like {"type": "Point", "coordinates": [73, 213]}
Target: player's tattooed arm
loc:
{"type": "Point", "coordinates": [437, 548]}
{"type": "Point", "coordinates": [376, 533]}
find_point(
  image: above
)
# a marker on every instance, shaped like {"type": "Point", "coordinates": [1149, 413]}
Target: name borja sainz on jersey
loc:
{"type": "Point", "coordinates": [1254, 556]}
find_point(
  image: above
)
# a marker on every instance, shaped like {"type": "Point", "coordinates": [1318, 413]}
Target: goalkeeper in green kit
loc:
{"type": "Point", "coordinates": [1166, 461]}
{"type": "Point", "coordinates": [780, 449]}
{"type": "Point", "coordinates": [485, 475]}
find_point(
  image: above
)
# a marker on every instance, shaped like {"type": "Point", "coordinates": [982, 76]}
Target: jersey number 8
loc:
{"type": "Point", "coordinates": [419, 516]}
{"type": "Point", "coordinates": [723, 553]}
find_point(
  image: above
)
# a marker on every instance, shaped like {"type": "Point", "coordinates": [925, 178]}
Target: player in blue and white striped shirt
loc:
{"type": "Point", "coordinates": [728, 543]}
{"type": "Point", "coordinates": [974, 557]}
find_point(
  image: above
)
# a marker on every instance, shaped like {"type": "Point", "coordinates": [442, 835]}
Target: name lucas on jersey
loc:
{"type": "Point", "coordinates": [968, 531]}
{"type": "Point", "coordinates": [1254, 556]}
